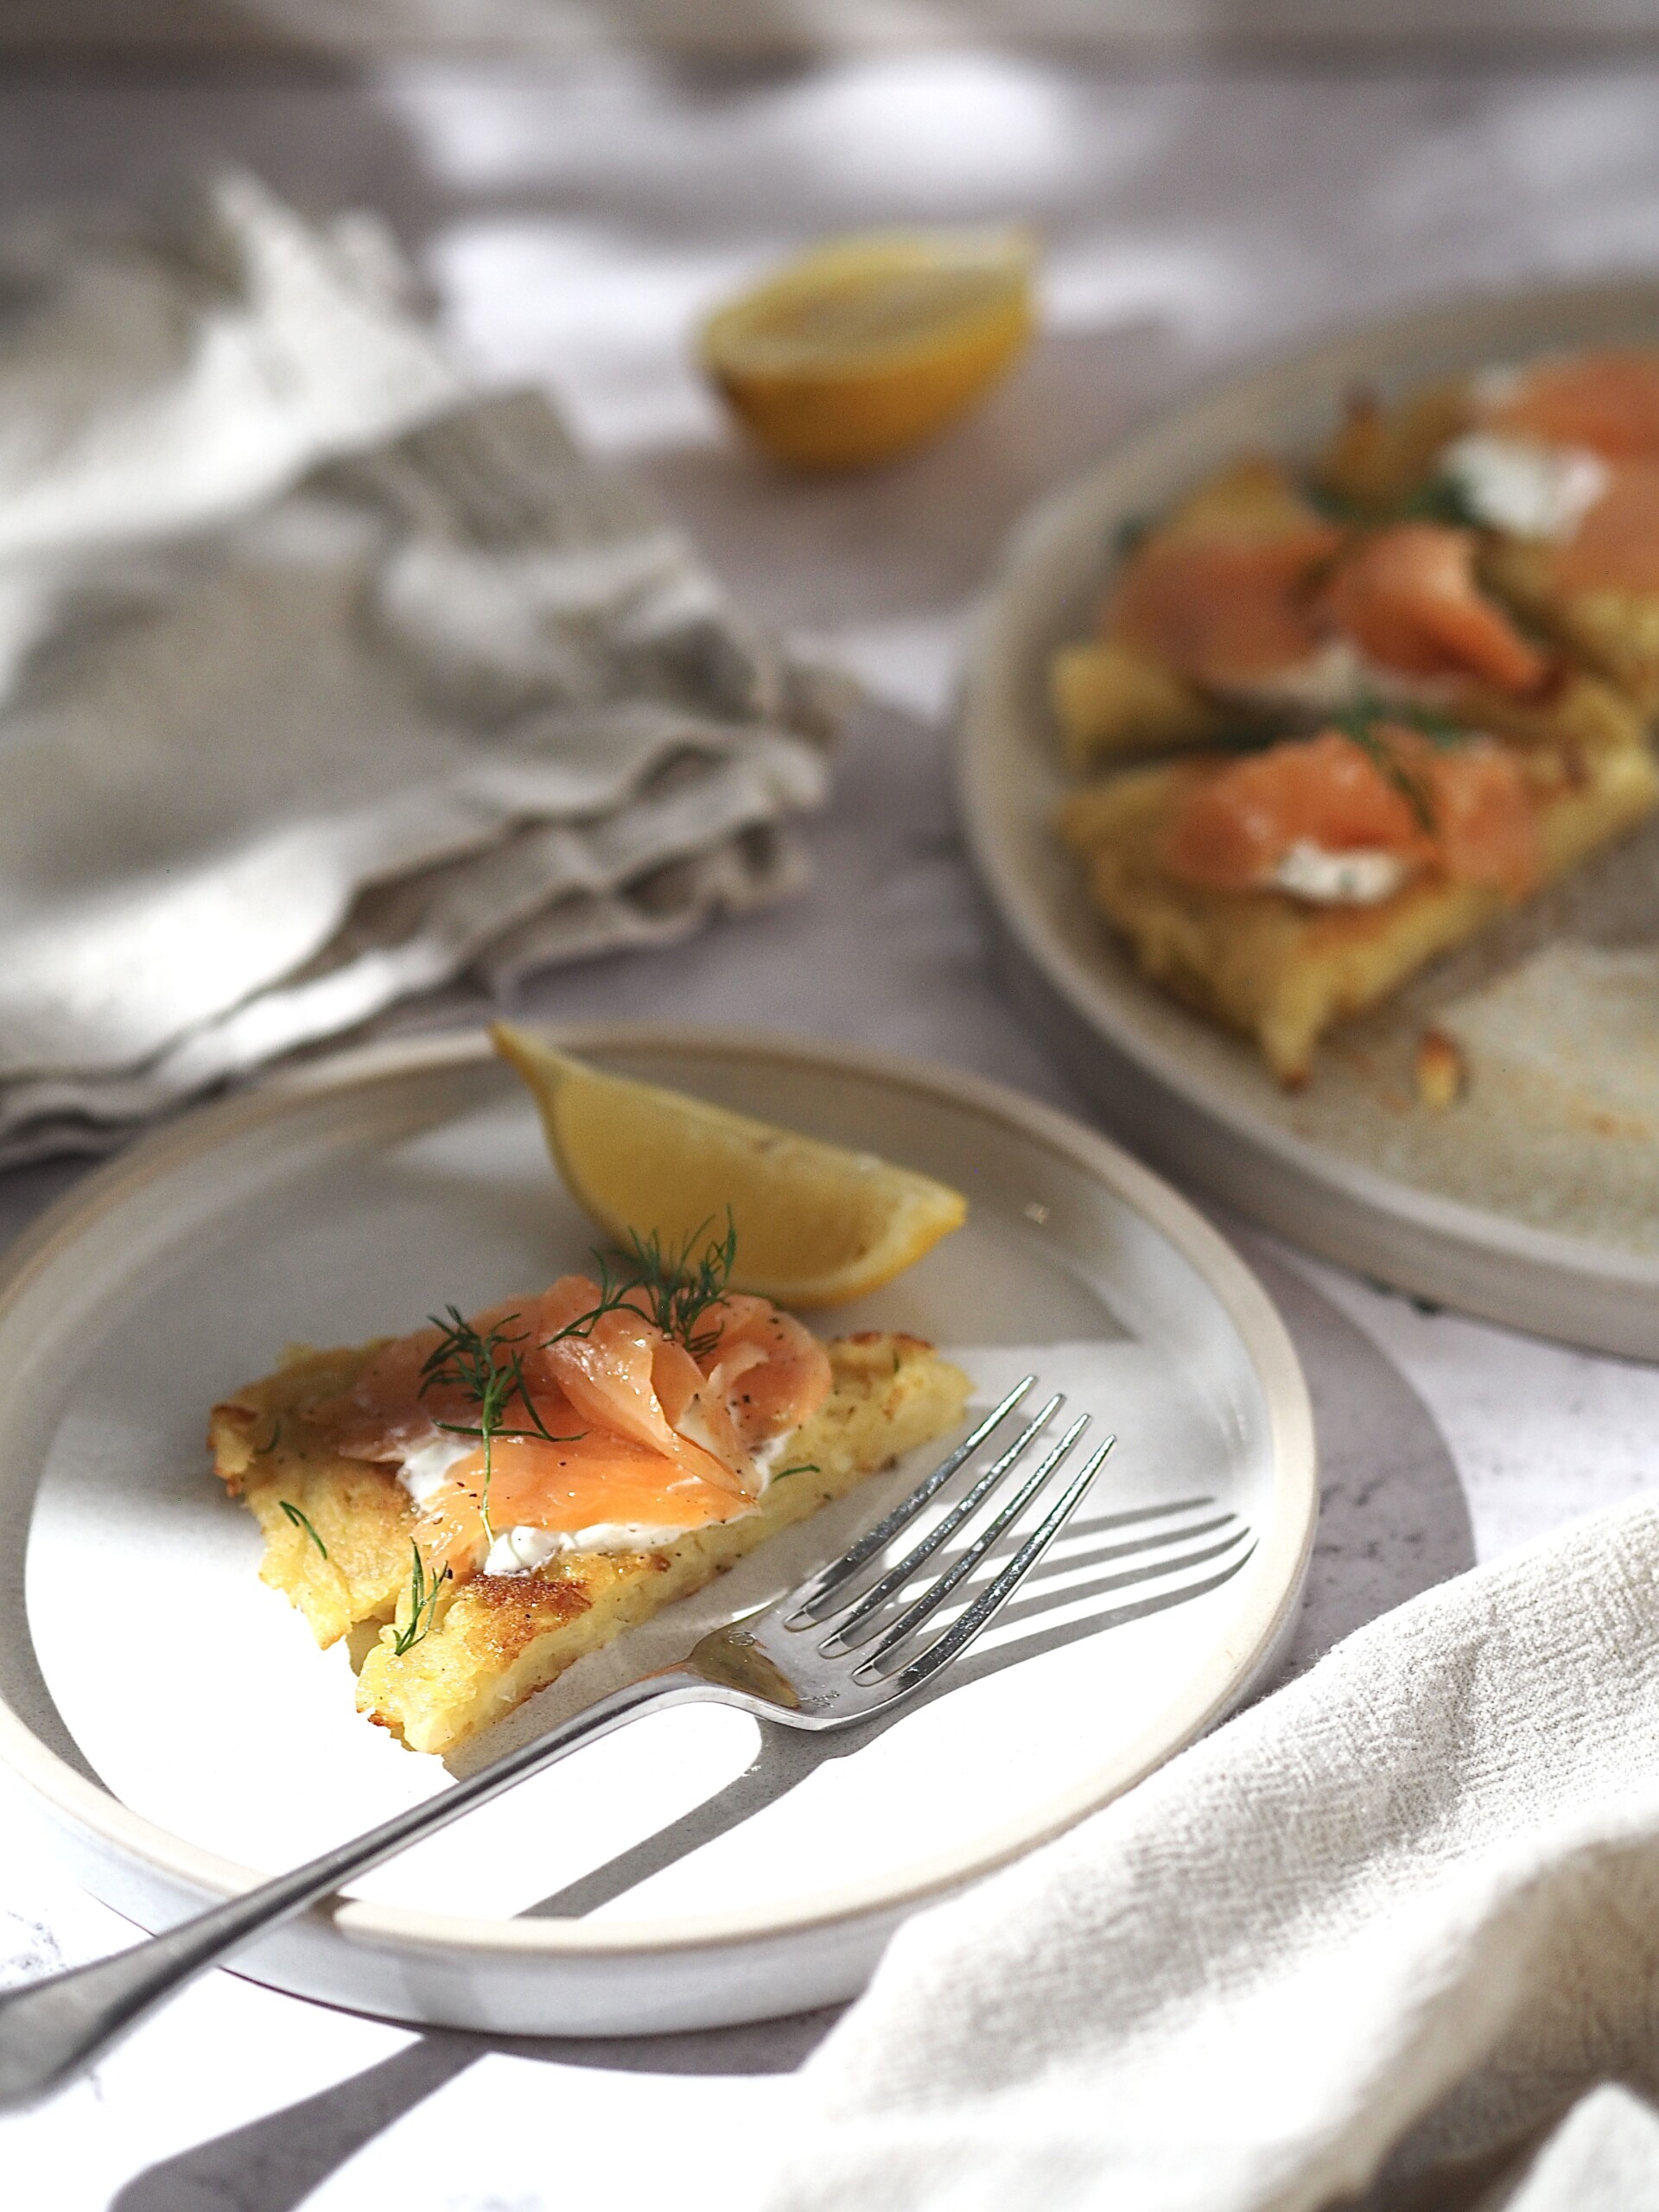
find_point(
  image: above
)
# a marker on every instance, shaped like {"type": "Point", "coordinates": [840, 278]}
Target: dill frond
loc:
{"type": "Point", "coordinates": [1128, 535]}
{"type": "Point", "coordinates": [615, 1292]}
{"type": "Point", "coordinates": [490, 1370]}
{"type": "Point", "coordinates": [671, 1289]}
{"type": "Point", "coordinates": [423, 1603]}
{"type": "Point", "coordinates": [1358, 724]}
{"type": "Point", "coordinates": [679, 1290]}
{"type": "Point", "coordinates": [298, 1521]}
{"type": "Point", "coordinates": [1439, 498]}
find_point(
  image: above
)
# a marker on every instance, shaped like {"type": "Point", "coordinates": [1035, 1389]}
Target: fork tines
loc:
{"type": "Point", "coordinates": [819, 1592]}
{"type": "Point", "coordinates": [829, 1601]}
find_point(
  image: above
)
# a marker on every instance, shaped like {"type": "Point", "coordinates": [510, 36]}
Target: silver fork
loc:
{"type": "Point", "coordinates": [773, 1663]}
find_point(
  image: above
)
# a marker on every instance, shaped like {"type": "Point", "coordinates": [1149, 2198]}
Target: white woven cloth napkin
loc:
{"type": "Point", "coordinates": [322, 683]}
{"type": "Point", "coordinates": [1372, 1935]}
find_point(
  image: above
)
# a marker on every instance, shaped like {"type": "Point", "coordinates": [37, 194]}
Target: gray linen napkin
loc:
{"type": "Point", "coordinates": [1376, 1935]}
{"type": "Point", "coordinates": [322, 684]}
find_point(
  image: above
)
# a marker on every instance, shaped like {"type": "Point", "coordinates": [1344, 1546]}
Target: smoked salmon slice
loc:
{"type": "Point", "coordinates": [1237, 609]}
{"type": "Point", "coordinates": [593, 1480]}
{"type": "Point", "coordinates": [1607, 402]}
{"type": "Point", "coordinates": [1616, 545]}
{"type": "Point", "coordinates": [1464, 810]}
{"type": "Point", "coordinates": [1407, 597]}
{"type": "Point", "coordinates": [606, 1419]}
{"type": "Point", "coordinates": [1225, 611]}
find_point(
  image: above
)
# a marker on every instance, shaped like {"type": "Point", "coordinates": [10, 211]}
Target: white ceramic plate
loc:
{"type": "Point", "coordinates": [188, 1735]}
{"type": "Point", "coordinates": [1565, 1241]}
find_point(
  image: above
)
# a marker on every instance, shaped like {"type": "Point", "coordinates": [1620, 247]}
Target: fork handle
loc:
{"type": "Point", "coordinates": [54, 2030]}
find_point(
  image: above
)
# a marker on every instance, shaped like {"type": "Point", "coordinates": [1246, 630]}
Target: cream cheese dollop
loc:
{"type": "Point", "coordinates": [1329, 682]}
{"type": "Point", "coordinates": [522, 1549]}
{"type": "Point", "coordinates": [1362, 877]}
{"type": "Point", "coordinates": [1530, 489]}
{"type": "Point", "coordinates": [426, 1469]}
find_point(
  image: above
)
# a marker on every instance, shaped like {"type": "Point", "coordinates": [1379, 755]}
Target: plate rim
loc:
{"type": "Point", "coordinates": [1106, 1014]}
{"type": "Point", "coordinates": [1284, 1551]}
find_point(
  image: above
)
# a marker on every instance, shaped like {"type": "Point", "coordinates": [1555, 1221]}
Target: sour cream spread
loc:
{"type": "Point", "coordinates": [522, 1549]}
{"type": "Point", "coordinates": [1336, 676]}
{"type": "Point", "coordinates": [426, 1471]}
{"type": "Point", "coordinates": [1529, 489]}
{"type": "Point", "coordinates": [1364, 877]}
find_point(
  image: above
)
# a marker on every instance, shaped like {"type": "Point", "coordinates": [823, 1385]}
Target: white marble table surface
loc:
{"type": "Point", "coordinates": [569, 224]}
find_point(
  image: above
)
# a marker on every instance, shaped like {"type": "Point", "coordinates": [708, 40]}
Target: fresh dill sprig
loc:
{"type": "Point", "coordinates": [273, 1440]}
{"type": "Point", "coordinates": [1247, 737]}
{"type": "Point", "coordinates": [1129, 534]}
{"type": "Point", "coordinates": [1437, 499]}
{"type": "Point", "coordinates": [1334, 504]}
{"type": "Point", "coordinates": [1358, 724]}
{"type": "Point", "coordinates": [801, 1467]}
{"type": "Point", "coordinates": [1367, 708]}
{"type": "Point", "coordinates": [679, 1290]}
{"type": "Point", "coordinates": [1439, 728]}
{"type": "Point", "coordinates": [614, 1294]}
{"type": "Point", "coordinates": [487, 1367]}
{"type": "Point", "coordinates": [298, 1521]}
{"type": "Point", "coordinates": [490, 1370]}
{"type": "Point", "coordinates": [423, 1603]}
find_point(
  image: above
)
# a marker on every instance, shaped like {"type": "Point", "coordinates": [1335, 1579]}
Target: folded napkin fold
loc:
{"type": "Point", "coordinates": [321, 684]}
{"type": "Point", "coordinates": [1369, 1941]}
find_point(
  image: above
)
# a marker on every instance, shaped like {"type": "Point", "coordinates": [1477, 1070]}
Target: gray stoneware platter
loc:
{"type": "Point", "coordinates": [185, 1736]}
{"type": "Point", "coordinates": [1546, 1218]}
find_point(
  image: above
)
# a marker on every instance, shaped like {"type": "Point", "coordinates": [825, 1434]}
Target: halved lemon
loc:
{"type": "Point", "coordinates": [868, 345]}
{"type": "Point", "coordinates": [816, 1224]}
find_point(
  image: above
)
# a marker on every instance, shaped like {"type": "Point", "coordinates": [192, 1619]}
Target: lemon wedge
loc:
{"type": "Point", "coordinates": [816, 1224]}
{"type": "Point", "coordinates": [868, 345]}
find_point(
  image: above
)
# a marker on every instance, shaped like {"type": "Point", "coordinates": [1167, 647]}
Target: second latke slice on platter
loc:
{"type": "Point", "coordinates": [1281, 891]}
